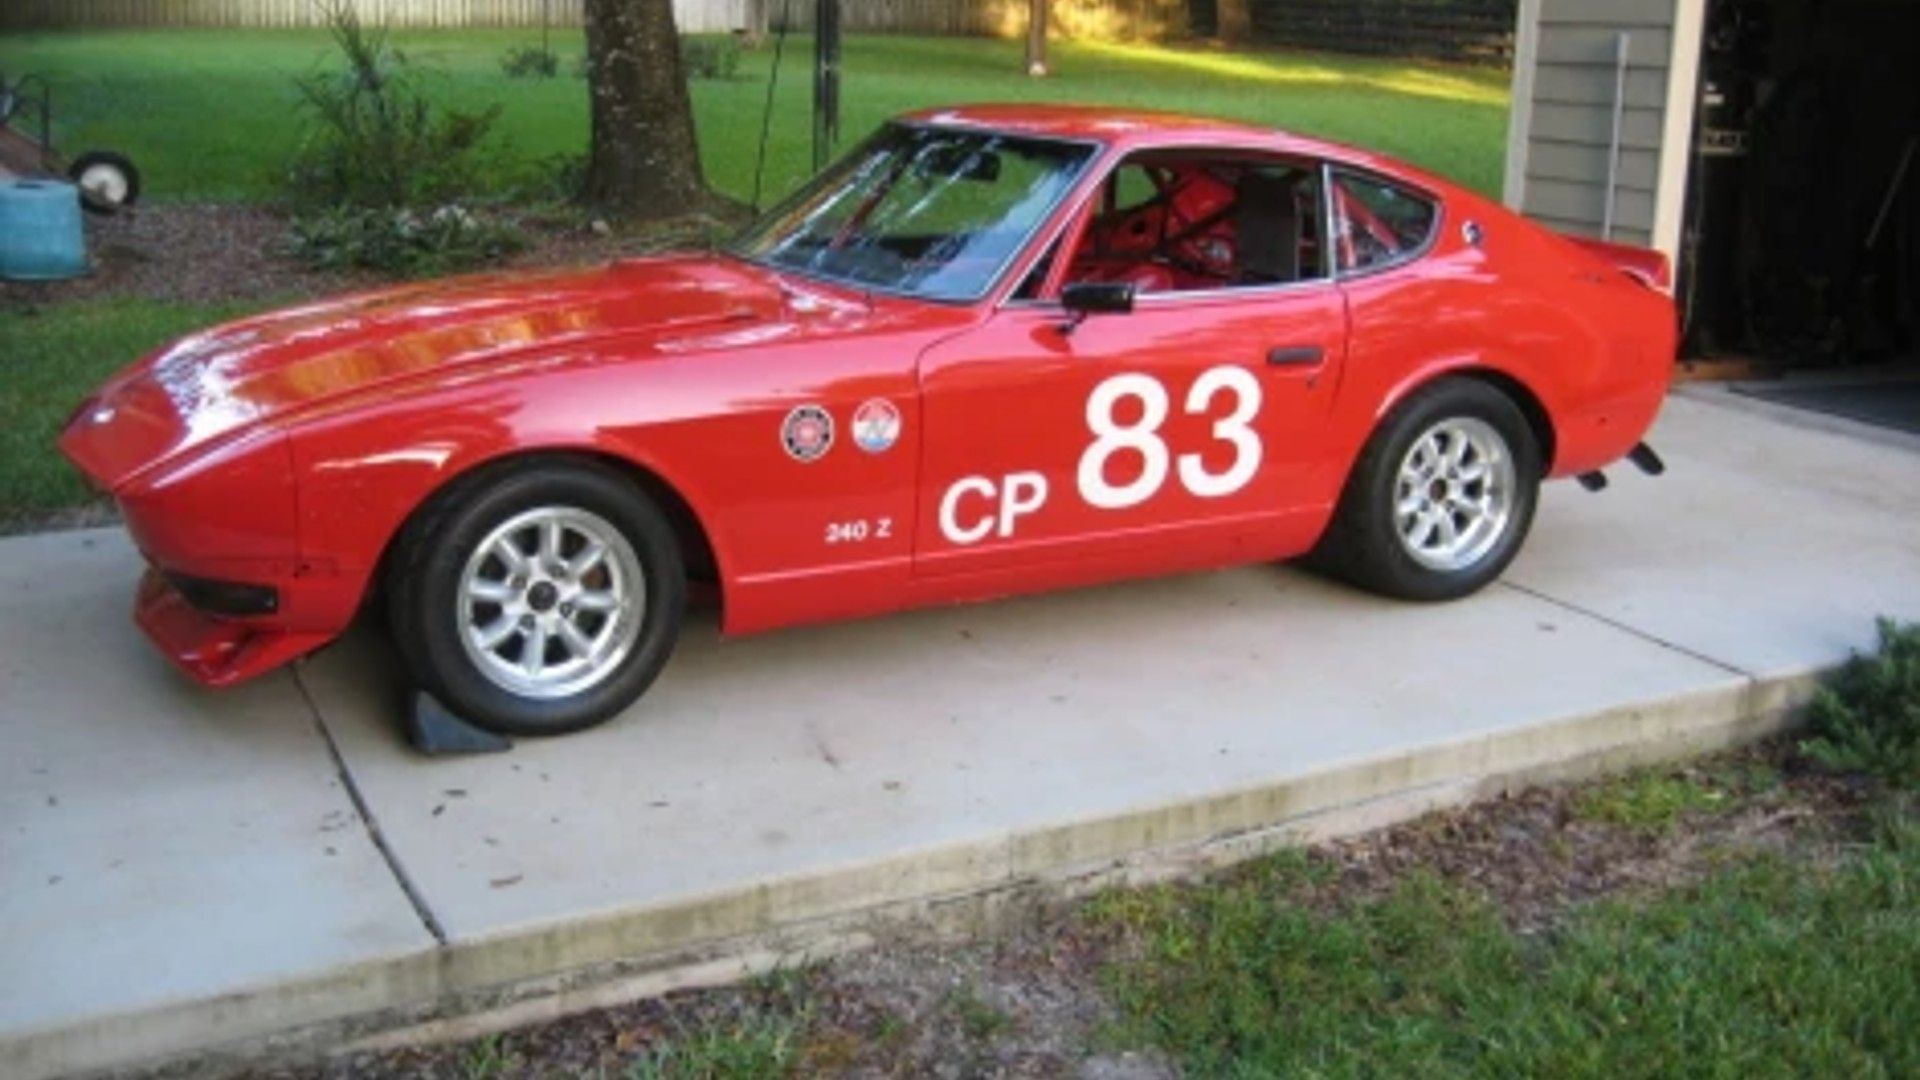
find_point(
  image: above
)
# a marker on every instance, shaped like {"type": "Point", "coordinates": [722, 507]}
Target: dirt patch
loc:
{"type": "Point", "coordinates": [215, 253]}
{"type": "Point", "coordinates": [1023, 1002]}
{"type": "Point", "coordinates": [92, 515]}
{"type": "Point", "coordinates": [1539, 852]}
{"type": "Point", "coordinates": [1023, 998]}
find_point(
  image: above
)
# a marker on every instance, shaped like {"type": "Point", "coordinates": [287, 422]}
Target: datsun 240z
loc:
{"type": "Point", "coordinates": [993, 350]}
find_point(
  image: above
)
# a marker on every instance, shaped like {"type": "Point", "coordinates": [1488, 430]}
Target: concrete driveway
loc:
{"type": "Point", "coordinates": [183, 871]}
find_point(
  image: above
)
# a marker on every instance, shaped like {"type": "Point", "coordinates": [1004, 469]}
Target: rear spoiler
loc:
{"type": "Point", "coordinates": [1650, 266]}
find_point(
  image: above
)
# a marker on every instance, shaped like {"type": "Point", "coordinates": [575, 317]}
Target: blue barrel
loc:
{"type": "Point", "coordinates": [40, 234]}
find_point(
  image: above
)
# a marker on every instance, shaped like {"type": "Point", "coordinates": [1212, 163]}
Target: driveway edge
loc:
{"type": "Point", "coordinates": [472, 986]}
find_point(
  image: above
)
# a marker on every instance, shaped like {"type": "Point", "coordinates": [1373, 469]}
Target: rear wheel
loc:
{"type": "Point", "coordinates": [1441, 498]}
{"type": "Point", "coordinates": [538, 598]}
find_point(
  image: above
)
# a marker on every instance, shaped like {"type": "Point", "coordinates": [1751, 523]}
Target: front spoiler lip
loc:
{"type": "Point", "coordinates": [212, 651]}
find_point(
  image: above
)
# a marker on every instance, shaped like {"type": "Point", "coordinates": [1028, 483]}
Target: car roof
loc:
{"type": "Point", "coordinates": [1129, 128]}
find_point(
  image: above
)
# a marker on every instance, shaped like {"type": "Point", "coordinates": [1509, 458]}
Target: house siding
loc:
{"type": "Point", "coordinates": [1564, 84]}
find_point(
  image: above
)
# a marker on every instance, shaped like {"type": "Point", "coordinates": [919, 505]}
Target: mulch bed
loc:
{"type": "Point", "coordinates": [1537, 857]}
{"type": "Point", "coordinates": [192, 253]}
{"type": "Point", "coordinates": [215, 253]}
{"type": "Point", "coordinates": [1022, 998]}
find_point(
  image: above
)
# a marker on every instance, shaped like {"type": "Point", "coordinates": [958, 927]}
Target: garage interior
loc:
{"type": "Point", "coordinates": [1801, 236]}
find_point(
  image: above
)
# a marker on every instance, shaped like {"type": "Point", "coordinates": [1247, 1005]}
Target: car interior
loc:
{"type": "Point", "coordinates": [1167, 223]}
{"type": "Point", "coordinates": [1170, 222]}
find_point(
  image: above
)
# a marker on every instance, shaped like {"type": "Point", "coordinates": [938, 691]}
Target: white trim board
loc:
{"type": "Point", "coordinates": [1526, 56]}
{"type": "Point", "coordinates": [1676, 135]}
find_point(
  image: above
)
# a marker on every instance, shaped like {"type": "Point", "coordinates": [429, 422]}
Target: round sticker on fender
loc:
{"type": "Point", "coordinates": [876, 425]}
{"type": "Point", "coordinates": [807, 433]}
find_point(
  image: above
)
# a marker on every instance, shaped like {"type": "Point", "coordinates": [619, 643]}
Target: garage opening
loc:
{"type": "Point", "coordinates": [1801, 235]}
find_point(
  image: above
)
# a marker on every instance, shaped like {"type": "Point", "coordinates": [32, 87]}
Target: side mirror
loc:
{"type": "Point", "coordinates": [1098, 297]}
{"type": "Point", "coordinates": [1084, 298]}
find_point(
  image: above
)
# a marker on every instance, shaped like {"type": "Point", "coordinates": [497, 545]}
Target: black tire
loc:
{"type": "Point", "coordinates": [1363, 545]}
{"type": "Point", "coordinates": [105, 159]}
{"type": "Point", "coordinates": [424, 581]}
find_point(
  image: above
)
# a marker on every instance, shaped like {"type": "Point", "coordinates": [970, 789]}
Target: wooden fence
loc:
{"type": "Point", "coordinates": [1104, 20]}
{"type": "Point", "coordinates": [1471, 31]}
{"type": "Point", "coordinates": [1005, 18]}
{"type": "Point", "coordinates": [964, 18]}
{"type": "Point", "coordinates": [694, 16]}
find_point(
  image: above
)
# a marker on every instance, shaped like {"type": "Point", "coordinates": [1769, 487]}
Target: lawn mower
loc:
{"type": "Point", "coordinates": [107, 180]}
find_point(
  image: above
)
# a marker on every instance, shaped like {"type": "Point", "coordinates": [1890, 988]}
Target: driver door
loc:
{"type": "Point", "coordinates": [1184, 432]}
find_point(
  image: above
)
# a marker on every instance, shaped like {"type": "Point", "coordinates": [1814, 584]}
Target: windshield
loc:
{"type": "Point", "coordinates": [931, 212]}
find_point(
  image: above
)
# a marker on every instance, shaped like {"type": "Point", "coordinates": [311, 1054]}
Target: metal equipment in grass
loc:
{"type": "Point", "coordinates": [826, 88]}
{"type": "Point", "coordinates": [107, 179]}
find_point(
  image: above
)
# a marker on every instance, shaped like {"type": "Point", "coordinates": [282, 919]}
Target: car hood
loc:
{"type": "Point", "coordinates": [247, 374]}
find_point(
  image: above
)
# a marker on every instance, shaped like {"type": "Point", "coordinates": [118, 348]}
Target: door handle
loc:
{"type": "Point", "coordinates": [1296, 355]}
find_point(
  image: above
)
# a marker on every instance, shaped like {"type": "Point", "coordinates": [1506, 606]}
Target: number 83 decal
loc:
{"type": "Point", "coordinates": [1023, 493]}
{"type": "Point", "coordinates": [1143, 436]}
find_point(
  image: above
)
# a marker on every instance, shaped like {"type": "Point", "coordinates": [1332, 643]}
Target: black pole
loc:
{"type": "Point", "coordinates": [1037, 38]}
{"type": "Point", "coordinates": [826, 80]}
{"type": "Point", "coordinates": [766, 114]}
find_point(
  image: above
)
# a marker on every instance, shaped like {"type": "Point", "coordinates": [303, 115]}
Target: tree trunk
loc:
{"type": "Point", "coordinates": [1235, 20]}
{"type": "Point", "coordinates": [645, 161]}
{"type": "Point", "coordinates": [1036, 38]}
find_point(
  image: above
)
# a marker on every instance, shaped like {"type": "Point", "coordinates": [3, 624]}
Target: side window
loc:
{"type": "Point", "coordinates": [1131, 188]}
{"type": "Point", "coordinates": [1378, 222]}
{"type": "Point", "coordinates": [1036, 278]}
{"type": "Point", "coordinates": [1203, 221]}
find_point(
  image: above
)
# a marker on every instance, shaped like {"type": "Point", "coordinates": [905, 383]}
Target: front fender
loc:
{"type": "Point", "coordinates": [362, 475]}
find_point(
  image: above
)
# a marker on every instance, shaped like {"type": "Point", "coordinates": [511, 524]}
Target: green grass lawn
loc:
{"type": "Point", "coordinates": [1772, 968]}
{"type": "Point", "coordinates": [49, 360]}
{"type": "Point", "coordinates": [212, 114]}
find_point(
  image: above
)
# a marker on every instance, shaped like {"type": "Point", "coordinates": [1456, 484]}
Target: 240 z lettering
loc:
{"type": "Point", "coordinates": [853, 532]}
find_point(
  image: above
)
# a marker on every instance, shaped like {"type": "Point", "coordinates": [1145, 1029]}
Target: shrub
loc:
{"type": "Point", "coordinates": [703, 58]}
{"type": "Point", "coordinates": [373, 138]}
{"type": "Point", "coordinates": [1867, 719]}
{"type": "Point", "coordinates": [530, 62]}
{"type": "Point", "coordinates": [710, 57]}
{"type": "Point", "coordinates": [556, 178]}
{"type": "Point", "coordinates": [401, 241]}
{"type": "Point", "coordinates": [381, 172]}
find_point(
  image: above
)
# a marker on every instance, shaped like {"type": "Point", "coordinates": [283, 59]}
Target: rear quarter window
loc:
{"type": "Point", "coordinates": [1380, 222]}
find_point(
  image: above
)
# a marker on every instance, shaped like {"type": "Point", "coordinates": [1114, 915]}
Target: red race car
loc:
{"type": "Point", "coordinates": [994, 350]}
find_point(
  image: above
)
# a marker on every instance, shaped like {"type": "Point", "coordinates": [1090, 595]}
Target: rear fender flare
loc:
{"type": "Point", "coordinates": [1503, 377]}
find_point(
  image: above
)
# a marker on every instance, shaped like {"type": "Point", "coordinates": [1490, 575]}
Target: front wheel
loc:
{"type": "Point", "coordinates": [1441, 497]}
{"type": "Point", "coordinates": [538, 598]}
